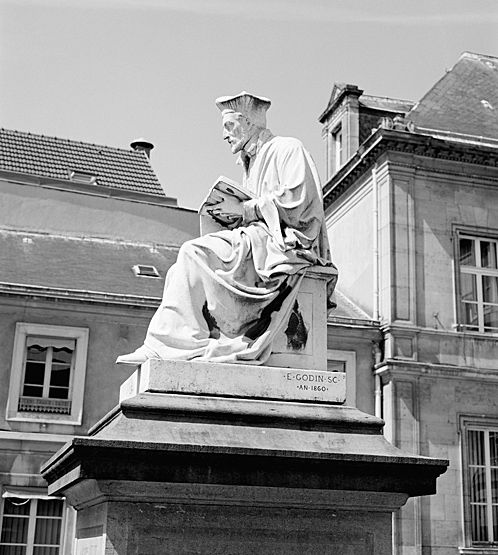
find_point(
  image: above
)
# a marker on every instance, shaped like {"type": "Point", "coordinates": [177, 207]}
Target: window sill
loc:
{"type": "Point", "coordinates": [478, 550]}
{"type": "Point", "coordinates": [44, 418]}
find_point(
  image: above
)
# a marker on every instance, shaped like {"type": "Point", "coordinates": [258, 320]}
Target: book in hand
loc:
{"type": "Point", "coordinates": [222, 187]}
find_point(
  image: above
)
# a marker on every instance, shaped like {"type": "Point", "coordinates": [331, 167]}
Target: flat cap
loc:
{"type": "Point", "coordinates": [252, 106]}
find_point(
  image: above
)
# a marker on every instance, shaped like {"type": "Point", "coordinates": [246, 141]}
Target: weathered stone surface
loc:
{"type": "Point", "coordinates": [162, 376]}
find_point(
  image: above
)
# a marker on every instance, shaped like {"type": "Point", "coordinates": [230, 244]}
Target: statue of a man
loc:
{"type": "Point", "coordinates": [231, 291]}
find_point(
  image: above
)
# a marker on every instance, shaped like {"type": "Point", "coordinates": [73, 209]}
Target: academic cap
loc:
{"type": "Point", "coordinates": [252, 106]}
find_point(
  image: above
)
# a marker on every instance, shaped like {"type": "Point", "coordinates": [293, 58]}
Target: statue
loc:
{"type": "Point", "coordinates": [232, 290]}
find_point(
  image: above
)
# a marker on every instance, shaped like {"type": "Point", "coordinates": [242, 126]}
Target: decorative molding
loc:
{"type": "Point", "coordinates": [34, 437]}
{"type": "Point", "coordinates": [56, 293]}
{"type": "Point", "coordinates": [388, 140]}
{"type": "Point", "coordinates": [391, 368]}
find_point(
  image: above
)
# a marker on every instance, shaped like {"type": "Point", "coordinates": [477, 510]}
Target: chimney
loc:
{"type": "Point", "coordinates": [142, 145]}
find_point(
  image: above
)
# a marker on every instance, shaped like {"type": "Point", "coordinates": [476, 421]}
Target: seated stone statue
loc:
{"type": "Point", "coordinates": [231, 291]}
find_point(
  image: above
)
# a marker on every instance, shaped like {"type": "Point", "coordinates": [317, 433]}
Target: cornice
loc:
{"type": "Point", "coordinates": [388, 140]}
{"type": "Point", "coordinates": [396, 369]}
{"type": "Point", "coordinates": [72, 295]}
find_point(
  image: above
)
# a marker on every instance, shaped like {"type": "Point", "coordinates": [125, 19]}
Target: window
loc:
{"type": "Point", "coordinates": [337, 145]}
{"type": "Point", "coordinates": [344, 361]}
{"type": "Point", "coordinates": [141, 270]}
{"type": "Point", "coordinates": [480, 467]}
{"type": "Point", "coordinates": [48, 373]}
{"type": "Point", "coordinates": [79, 176]}
{"type": "Point", "coordinates": [31, 526]}
{"type": "Point", "coordinates": [478, 284]}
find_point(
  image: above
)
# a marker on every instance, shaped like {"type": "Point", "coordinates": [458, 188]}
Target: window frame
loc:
{"type": "Point", "coordinates": [77, 379]}
{"type": "Point", "coordinates": [33, 498]}
{"type": "Point", "coordinates": [473, 423]}
{"type": "Point", "coordinates": [337, 135]}
{"type": "Point", "coordinates": [477, 235]}
{"type": "Point", "coordinates": [349, 359]}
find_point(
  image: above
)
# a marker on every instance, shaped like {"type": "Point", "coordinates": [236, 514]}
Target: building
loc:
{"type": "Point", "coordinates": [86, 237]}
{"type": "Point", "coordinates": [412, 192]}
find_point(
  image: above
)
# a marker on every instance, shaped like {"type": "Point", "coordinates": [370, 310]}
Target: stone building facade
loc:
{"type": "Point", "coordinates": [412, 191]}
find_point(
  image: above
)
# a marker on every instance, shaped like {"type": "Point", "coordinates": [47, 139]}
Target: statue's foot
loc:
{"type": "Point", "coordinates": [137, 357]}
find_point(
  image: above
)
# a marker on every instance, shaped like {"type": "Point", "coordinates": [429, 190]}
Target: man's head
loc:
{"type": "Point", "coordinates": [244, 116]}
{"type": "Point", "coordinates": [238, 130]}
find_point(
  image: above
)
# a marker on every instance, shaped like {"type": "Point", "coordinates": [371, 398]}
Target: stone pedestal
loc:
{"type": "Point", "coordinates": [173, 472]}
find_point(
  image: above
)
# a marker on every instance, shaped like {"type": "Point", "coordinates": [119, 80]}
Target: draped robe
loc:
{"type": "Point", "coordinates": [231, 291]}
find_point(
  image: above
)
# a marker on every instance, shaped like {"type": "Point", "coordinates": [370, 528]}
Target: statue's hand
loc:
{"type": "Point", "coordinates": [229, 206]}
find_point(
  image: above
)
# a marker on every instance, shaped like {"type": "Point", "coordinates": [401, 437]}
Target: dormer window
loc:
{"type": "Point", "coordinates": [141, 270]}
{"type": "Point", "coordinates": [86, 178]}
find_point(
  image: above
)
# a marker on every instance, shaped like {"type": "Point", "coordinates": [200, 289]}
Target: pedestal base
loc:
{"type": "Point", "coordinates": [180, 473]}
{"type": "Point", "coordinates": [188, 518]}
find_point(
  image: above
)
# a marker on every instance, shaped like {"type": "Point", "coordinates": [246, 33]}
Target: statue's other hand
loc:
{"type": "Point", "coordinates": [229, 206]}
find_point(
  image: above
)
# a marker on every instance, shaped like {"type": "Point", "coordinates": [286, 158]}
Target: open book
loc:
{"type": "Point", "coordinates": [222, 187]}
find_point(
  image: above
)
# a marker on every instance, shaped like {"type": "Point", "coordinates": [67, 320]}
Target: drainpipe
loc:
{"type": "Point", "coordinates": [375, 254]}
{"type": "Point", "coordinates": [375, 250]}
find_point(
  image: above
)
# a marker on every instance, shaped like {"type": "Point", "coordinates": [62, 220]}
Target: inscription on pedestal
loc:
{"type": "Point", "coordinates": [234, 380]}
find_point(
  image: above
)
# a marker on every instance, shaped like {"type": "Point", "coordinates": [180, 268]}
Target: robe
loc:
{"type": "Point", "coordinates": [230, 292]}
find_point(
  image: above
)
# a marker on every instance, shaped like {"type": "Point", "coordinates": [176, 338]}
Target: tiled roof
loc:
{"type": "Point", "coordinates": [82, 264]}
{"type": "Point", "coordinates": [464, 100]}
{"type": "Point", "coordinates": [54, 158]}
{"type": "Point", "coordinates": [386, 104]}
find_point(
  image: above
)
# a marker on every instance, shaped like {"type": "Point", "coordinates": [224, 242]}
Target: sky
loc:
{"type": "Point", "coordinates": [110, 71]}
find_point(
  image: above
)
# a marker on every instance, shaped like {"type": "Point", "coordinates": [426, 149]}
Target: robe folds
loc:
{"type": "Point", "coordinates": [230, 292]}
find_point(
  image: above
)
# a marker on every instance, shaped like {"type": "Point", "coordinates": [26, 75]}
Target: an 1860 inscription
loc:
{"type": "Point", "coordinates": [315, 381]}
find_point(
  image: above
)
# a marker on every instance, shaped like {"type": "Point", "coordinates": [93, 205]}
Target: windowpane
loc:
{"type": "Point", "coordinates": [477, 485]}
{"type": "Point", "coordinates": [469, 287]}
{"type": "Point", "coordinates": [336, 365]}
{"type": "Point", "coordinates": [470, 315]}
{"type": "Point", "coordinates": [479, 527]}
{"type": "Point", "coordinates": [49, 507]}
{"type": "Point", "coordinates": [12, 550]}
{"type": "Point", "coordinates": [493, 447]}
{"type": "Point", "coordinates": [488, 254]}
{"type": "Point", "coordinates": [14, 529]}
{"type": "Point", "coordinates": [35, 373]}
{"type": "Point", "coordinates": [490, 289]}
{"type": "Point", "coordinates": [60, 376]}
{"type": "Point", "coordinates": [35, 352]}
{"type": "Point", "coordinates": [58, 393]}
{"type": "Point", "coordinates": [490, 316]}
{"type": "Point", "coordinates": [467, 252]}
{"type": "Point", "coordinates": [63, 356]}
{"type": "Point", "coordinates": [45, 551]}
{"type": "Point", "coordinates": [32, 391]}
{"type": "Point", "coordinates": [16, 506]}
{"type": "Point", "coordinates": [47, 531]}
{"type": "Point", "coordinates": [476, 447]}
{"type": "Point", "coordinates": [494, 485]}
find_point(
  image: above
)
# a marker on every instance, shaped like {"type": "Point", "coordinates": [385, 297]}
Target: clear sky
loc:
{"type": "Point", "coordinates": [109, 71]}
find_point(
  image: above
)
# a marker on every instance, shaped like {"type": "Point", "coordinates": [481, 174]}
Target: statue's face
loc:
{"type": "Point", "coordinates": [236, 131]}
